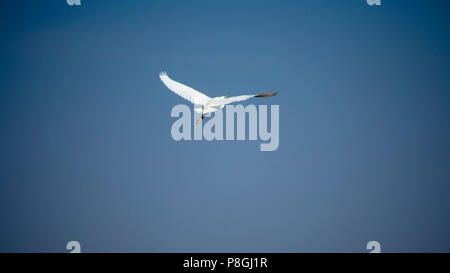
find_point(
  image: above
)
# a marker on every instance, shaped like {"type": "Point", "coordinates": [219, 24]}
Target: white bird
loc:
{"type": "Point", "coordinates": [208, 105]}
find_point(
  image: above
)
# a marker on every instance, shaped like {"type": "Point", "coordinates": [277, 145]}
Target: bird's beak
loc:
{"type": "Point", "coordinates": [198, 120]}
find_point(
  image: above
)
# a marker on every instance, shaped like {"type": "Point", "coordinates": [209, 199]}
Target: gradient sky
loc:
{"type": "Point", "coordinates": [87, 155]}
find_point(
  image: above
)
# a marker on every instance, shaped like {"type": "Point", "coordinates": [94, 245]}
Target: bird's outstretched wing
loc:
{"type": "Point", "coordinates": [240, 98]}
{"type": "Point", "coordinates": [184, 91]}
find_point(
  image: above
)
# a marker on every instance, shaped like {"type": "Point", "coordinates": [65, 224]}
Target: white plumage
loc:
{"type": "Point", "coordinates": [208, 105]}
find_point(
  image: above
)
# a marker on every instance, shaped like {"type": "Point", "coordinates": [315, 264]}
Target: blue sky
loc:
{"type": "Point", "coordinates": [85, 123]}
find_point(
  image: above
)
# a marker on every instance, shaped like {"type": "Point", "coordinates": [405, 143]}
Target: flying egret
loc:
{"type": "Point", "coordinates": [208, 105]}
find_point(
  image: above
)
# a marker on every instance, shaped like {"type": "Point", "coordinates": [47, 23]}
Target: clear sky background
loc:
{"type": "Point", "coordinates": [86, 152]}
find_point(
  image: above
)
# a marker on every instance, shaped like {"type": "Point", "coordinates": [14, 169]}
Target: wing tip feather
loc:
{"type": "Point", "coordinates": [163, 74]}
{"type": "Point", "coordinates": [266, 95]}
